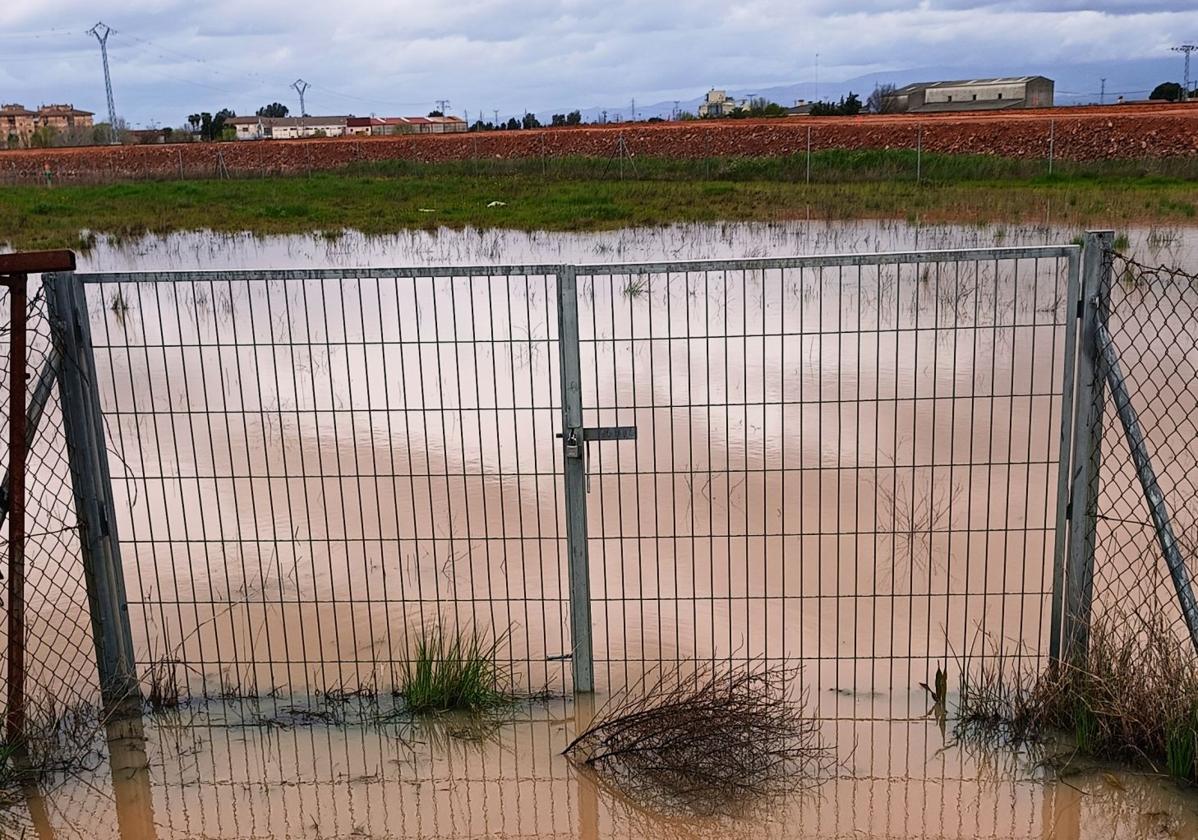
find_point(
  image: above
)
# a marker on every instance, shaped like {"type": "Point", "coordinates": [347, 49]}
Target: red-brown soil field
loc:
{"type": "Point", "coordinates": [1083, 134]}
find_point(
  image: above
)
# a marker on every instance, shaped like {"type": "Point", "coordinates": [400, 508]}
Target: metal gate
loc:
{"type": "Point", "coordinates": [852, 461]}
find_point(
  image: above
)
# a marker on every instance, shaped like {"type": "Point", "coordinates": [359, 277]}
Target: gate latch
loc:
{"type": "Point", "coordinates": [575, 437]}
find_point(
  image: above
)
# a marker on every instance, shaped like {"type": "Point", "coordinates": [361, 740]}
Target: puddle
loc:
{"type": "Point", "coordinates": [856, 469]}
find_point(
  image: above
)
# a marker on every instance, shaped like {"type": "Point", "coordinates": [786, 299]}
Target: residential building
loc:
{"type": "Point", "coordinates": [16, 125]}
{"type": "Point", "coordinates": [717, 103]}
{"type": "Point", "coordinates": [972, 95]}
{"type": "Point", "coordinates": [64, 118]}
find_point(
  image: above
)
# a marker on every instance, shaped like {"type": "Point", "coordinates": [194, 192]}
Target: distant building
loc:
{"type": "Point", "coordinates": [18, 123]}
{"type": "Point", "coordinates": [972, 95]}
{"type": "Point", "coordinates": [286, 128]}
{"type": "Point", "coordinates": [63, 117]}
{"type": "Point", "coordinates": [423, 125]}
{"type": "Point", "coordinates": [717, 103]}
{"type": "Point", "coordinates": [801, 108]}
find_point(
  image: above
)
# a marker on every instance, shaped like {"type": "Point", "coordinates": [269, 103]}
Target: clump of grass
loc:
{"type": "Point", "coordinates": [707, 741]}
{"type": "Point", "coordinates": [1133, 698]}
{"type": "Point", "coordinates": [455, 668]}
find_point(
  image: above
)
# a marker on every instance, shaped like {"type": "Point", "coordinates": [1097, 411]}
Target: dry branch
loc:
{"type": "Point", "coordinates": [705, 739]}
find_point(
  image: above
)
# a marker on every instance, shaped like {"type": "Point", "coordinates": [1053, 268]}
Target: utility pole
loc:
{"type": "Point", "coordinates": [817, 77]}
{"type": "Point", "coordinates": [101, 31]}
{"type": "Point", "coordinates": [1102, 93]}
{"type": "Point", "coordinates": [442, 105]}
{"type": "Point", "coordinates": [675, 114]}
{"type": "Point", "coordinates": [634, 109]}
{"type": "Point", "coordinates": [1186, 49]}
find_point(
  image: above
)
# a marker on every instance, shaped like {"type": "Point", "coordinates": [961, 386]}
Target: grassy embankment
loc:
{"type": "Point", "coordinates": [589, 194]}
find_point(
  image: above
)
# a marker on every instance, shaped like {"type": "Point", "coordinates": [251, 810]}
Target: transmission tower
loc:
{"type": "Point", "coordinates": [301, 87]}
{"type": "Point", "coordinates": [1185, 87]}
{"type": "Point", "coordinates": [101, 31]}
{"type": "Point", "coordinates": [442, 104]}
{"type": "Point", "coordinates": [1102, 93]}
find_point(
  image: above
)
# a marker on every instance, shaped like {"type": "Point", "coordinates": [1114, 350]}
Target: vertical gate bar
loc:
{"type": "Point", "coordinates": [574, 451]}
{"type": "Point", "coordinates": [1065, 452]}
{"type": "Point", "coordinates": [15, 719]}
{"type": "Point", "coordinates": [1087, 447]}
{"type": "Point", "coordinates": [91, 482]}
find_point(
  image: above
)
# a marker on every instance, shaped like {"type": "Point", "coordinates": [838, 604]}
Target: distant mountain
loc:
{"type": "Point", "coordinates": [1076, 84]}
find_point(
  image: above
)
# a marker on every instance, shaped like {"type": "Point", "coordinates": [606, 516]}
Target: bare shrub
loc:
{"type": "Point", "coordinates": [705, 739]}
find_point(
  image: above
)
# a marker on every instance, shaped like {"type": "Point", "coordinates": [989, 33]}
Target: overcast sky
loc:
{"type": "Point", "coordinates": [170, 58]}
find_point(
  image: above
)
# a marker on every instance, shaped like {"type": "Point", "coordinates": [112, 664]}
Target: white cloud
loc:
{"type": "Point", "coordinates": [171, 57]}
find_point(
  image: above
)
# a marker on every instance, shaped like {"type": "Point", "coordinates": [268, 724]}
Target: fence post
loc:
{"type": "Point", "coordinates": [574, 451]}
{"type": "Point", "coordinates": [1082, 510]}
{"type": "Point", "coordinates": [83, 425]}
{"type": "Point", "coordinates": [15, 498]}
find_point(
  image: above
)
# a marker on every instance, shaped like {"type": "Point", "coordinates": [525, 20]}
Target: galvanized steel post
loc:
{"type": "Point", "coordinates": [1073, 296]}
{"type": "Point", "coordinates": [574, 451]}
{"type": "Point", "coordinates": [83, 425]}
{"type": "Point", "coordinates": [1082, 511]}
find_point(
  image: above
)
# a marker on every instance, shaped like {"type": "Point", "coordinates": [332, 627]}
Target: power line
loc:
{"type": "Point", "coordinates": [101, 31]}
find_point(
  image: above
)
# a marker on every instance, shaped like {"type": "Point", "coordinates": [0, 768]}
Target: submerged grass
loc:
{"type": "Point", "coordinates": [455, 668]}
{"type": "Point", "coordinates": [1133, 699]}
{"type": "Point", "coordinates": [581, 194]}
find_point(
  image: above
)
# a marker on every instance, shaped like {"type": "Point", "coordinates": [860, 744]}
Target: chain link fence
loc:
{"type": "Point", "coordinates": [1153, 330]}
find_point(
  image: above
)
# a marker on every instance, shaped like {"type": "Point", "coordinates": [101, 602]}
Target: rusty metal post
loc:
{"type": "Point", "coordinates": [15, 717]}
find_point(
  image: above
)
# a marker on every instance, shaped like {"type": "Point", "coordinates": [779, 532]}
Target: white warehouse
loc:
{"type": "Point", "coordinates": [973, 95]}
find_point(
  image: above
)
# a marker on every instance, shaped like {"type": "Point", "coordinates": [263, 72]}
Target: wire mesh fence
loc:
{"type": "Point", "coordinates": [1152, 327]}
{"type": "Point", "coordinates": [852, 461]}
{"type": "Point", "coordinates": [60, 662]}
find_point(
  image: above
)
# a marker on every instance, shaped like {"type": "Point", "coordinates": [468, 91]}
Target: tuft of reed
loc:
{"type": "Point", "coordinates": [705, 742]}
{"type": "Point", "coordinates": [1132, 698]}
{"type": "Point", "coordinates": [455, 668]}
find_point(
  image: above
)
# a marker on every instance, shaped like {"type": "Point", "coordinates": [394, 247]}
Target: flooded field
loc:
{"type": "Point", "coordinates": [851, 466]}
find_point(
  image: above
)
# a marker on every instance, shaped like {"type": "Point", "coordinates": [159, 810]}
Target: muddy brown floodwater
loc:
{"type": "Point", "coordinates": [854, 469]}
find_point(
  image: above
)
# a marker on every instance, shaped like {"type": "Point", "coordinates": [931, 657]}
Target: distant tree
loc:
{"type": "Point", "coordinates": [882, 101]}
{"type": "Point", "coordinates": [686, 116]}
{"type": "Point", "coordinates": [574, 118]}
{"type": "Point", "coordinates": [436, 113]}
{"type": "Point", "coordinates": [274, 109]}
{"type": "Point", "coordinates": [215, 129]}
{"type": "Point", "coordinates": [512, 125]}
{"type": "Point", "coordinates": [530, 121]}
{"type": "Point", "coordinates": [558, 120]}
{"type": "Point", "coordinates": [193, 122]}
{"type": "Point", "coordinates": [14, 140]}
{"type": "Point", "coordinates": [848, 106]}
{"type": "Point", "coordinates": [42, 137]}
{"type": "Point", "coordinates": [1169, 91]}
{"type": "Point", "coordinates": [479, 125]}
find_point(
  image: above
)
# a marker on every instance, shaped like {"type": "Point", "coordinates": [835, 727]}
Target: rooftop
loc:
{"type": "Point", "coordinates": [1002, 80]}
